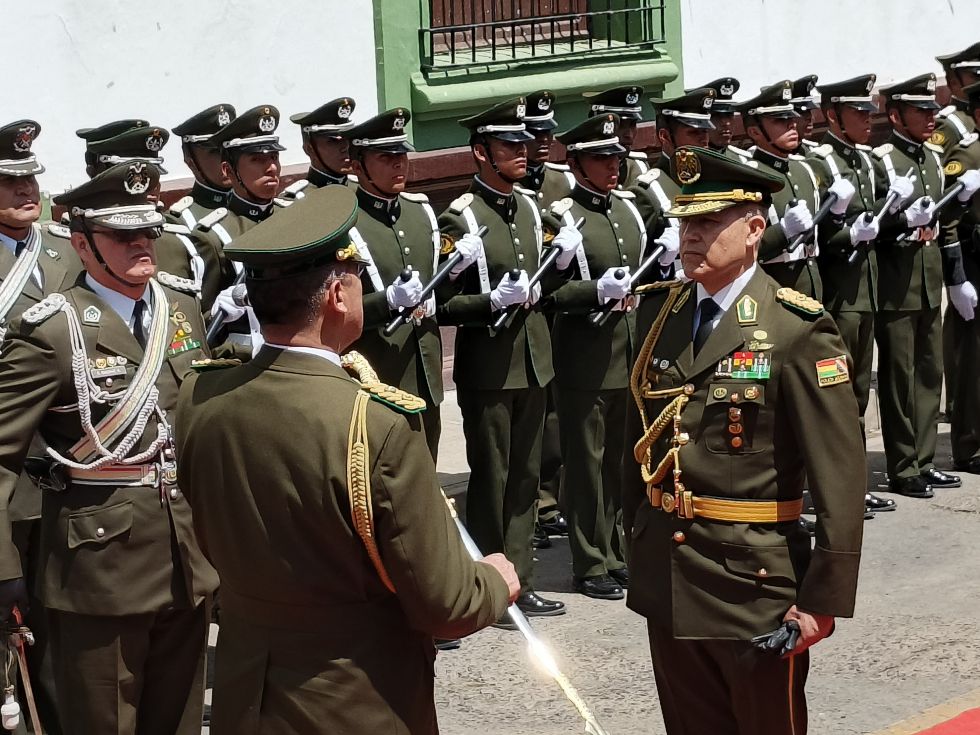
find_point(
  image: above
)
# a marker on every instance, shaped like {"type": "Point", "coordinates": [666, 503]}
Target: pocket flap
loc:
{"type": "Point", "coordinates": [100, 525]}
{"type": "Point", "coordinates": [765, 563]}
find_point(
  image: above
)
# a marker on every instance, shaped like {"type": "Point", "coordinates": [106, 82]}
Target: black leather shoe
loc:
{"type": "Point", "coordinates": [621, 576]}
{"type": "Point", "coordinates": [443, 644]}
{"type": "Point", "coordinates": [555, 526]}
{"type": "Point", "coordinates": [600, 587]}
{"type": "Point", "coordinates": [540, 539]}
{"type": "Point", "coordinates": [534, 606]}
{"type": "Point", "coordinates": [940, 479]}
{"type": "Point", "coordinates": [878, 505]}
{"type": "Point", "coordinates": [972, 466]}
{"type": "Point", "coordinates": [911, 487]}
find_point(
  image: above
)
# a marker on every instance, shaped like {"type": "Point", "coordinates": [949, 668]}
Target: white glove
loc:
{"type": "Point", "coordinates": [609, 287]}
{"type": "Point", "coordinates": [796, 220]}
{"type": "Point", "coordinates": [862, 231]}
{"type": "Point", "coordinates": [904, 188]}
{"type": "Point", "coordinates": [469, 246]}
{"type": "Point", "coordinates": [671, 240]}
{"type": "Point", "coordinates": [964, 299]}
{"type": "Point", "coordinates": [509, 291]}
{"type": "Point", "coordinates": [404, 295]}
{"type": "Point", "coordinates": [844, 190]}
{"type": "Point", "coordinates": [568, 239]}
{"type": "Point", "coordinates": [919, 213]}
{"type": "Point", "coordinates": [971, 183]}
{"type": "Point", "coordinates": [224, 302]}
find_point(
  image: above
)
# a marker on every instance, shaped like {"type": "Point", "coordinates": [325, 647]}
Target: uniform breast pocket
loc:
{"type": "Point", "coordinates": [733, 417]}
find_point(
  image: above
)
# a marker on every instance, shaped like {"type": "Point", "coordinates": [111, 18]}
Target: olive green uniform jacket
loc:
{"type": "Point", "coordinates": [105, 550]}
{"type": "Point", "coordinates": [633, 166]}
{"type": "Point", "coordinates": [954, 123]}
{"type": "Point", "coordinates": [708, 579]}
{"type": "Point", "coordinates": [655, 191]}
{"type": "Point", "coordinates": [201, 201]}
{"type": "Point", "coordinates": [549, 182]}
{"type": "Point", "coordinates": [311, 639]}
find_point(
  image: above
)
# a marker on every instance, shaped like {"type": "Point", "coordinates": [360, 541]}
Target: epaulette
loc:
{"type": "Point", "coordinates": [65, 218]}
{"type": "Point", "coordinates": [414, 196]}
{"type": "Point", "coordinates": [953, 168]}
{"type": "Point", "coordinates": [461, 203]}
{"type": "Point", "coordinates": [59, 231]}
{"type": "Point", "coordinates": [933, 147]}
{"type": "Point", "coordinates": [557, 166]}
{"type": "Point", "coordinates": [180, 205]}
{"type": "Point", "coordinates": [176, 229]}
{"type": "Point", "coordinates": [295, 190]}
{"type": "Point", "coordinates": [638, 156]}
{"type": "Point", "coordinates": [822, 151]}
{"type": "Point", "coordinates": [938, 138]}
{"type": "Point", "coordinates": [657, 286]}
{"type": "Point", "coordinates": [561, 206]}
{"type": "Point", "coordinates": [44, 309]}
{"type": "Point", "coordinates": [648, 177]}
{"type": "Point", "coordinates": [623, 194]}
{"type": "Point", "coordinates": [796, 157]}
{"type": "Point", "coordinates": [799, 302]}
{"type": "Point", "coordinates": [353, 179]}
{"type": "Point", "coordinates": [177, 283]}
{"type": "Point", "coordinates": [526, 192]}
{"type": "Point", "coordinates": [208, 364]}
{"type": "Point", "coordinates": [883, 150]}
{"type": "Point", "coordinates": [946, 111]}
{"type": "Point", "coordinates": [747, 152]}
{"type": "Point", "coordinates": [211, 219]}
{"type": "Point", "coordinates": [280, 202]}
{"type": "Point", "coordinates": [862, 147]}
{"type": "Point", "coordinates": [969, 140]}
{"type": "Point", "coordinates": [395, 398]}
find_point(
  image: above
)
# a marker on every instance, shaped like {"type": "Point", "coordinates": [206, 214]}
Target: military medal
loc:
{"type": "Point", "coordinates": [751, 366]}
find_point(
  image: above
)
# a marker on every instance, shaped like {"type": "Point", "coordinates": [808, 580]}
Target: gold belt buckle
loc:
{"type": "Point", "coordinates": [668, 503]}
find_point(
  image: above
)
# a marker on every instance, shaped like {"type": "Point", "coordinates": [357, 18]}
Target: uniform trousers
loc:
{"type": "Point", "coordinates": [725, 687]}
{"type": "Point", "coordinates": [963, 381]}
{"type": "Point", "coordinates": [593, 431]}
{"type": "Point", "coordinates": [503, 448]}
{"type": "Point", "coordinates": [910, 382]}
{"type": "Point", "coordinates": [551, 462]}
{"type": "Point", "coordinates": [130, 674]}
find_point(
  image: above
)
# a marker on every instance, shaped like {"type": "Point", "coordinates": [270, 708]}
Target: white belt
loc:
{"type": "Point", "coordinates": [125, 475]}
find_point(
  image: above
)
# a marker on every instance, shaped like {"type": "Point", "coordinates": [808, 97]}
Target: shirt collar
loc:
{"type": "Point", "coordinates": [590, 199]}
{"type": "Point", "coordinates": [251, 210]}
{"type": "Point", "coordinates": [207, 197]}
{"type": "Point", "coordinates": [910, 147]}
{"type": "Point", "coordinates": [321, 352]}
{"type": "Point", "coordinates": [779, 163]}
{"type": "Point", "coordinates": [535, 177]}
{"type": "Point", "coordinates": [504, 204]}
{"type": "Point", "coordinates": [324, 178]}
{"type": "Point", "coordinates": [727, 295]}
{"type": "Point", "coordinates": [122, 305]}
{"type": "Point", "coordinates": [386, 211]}
{"type": "Point", "coordinates": [9, 242]}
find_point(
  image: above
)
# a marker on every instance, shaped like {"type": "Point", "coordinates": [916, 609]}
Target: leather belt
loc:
{"type": "Point", "coordinates": [687, 505]}
{"type": "Point", "coordinates": [118, 475]}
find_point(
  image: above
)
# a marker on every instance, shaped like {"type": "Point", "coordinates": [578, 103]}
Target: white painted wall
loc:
{"type": "Point", "coordinates": [763, 41]}
{"type": "Point", "coordinates": [78, 63]}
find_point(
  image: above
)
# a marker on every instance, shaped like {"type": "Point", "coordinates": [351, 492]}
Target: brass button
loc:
{"type": "Point", "coordinates": [174, 493]}
{"type": "Point", "coordinates": [751, 393]}
{"type": "Point", "coordinates": [513, 226]}
{"type": "Point", "coordinates": [407, 251]}
{"type": "Point", "coordinates": [735, 429]}
{"type": "Point", "coordinates": [763, 572]}
{"type": "Point", "coordinates": [679, 537]}
{"type": "Point", "coordinates": [683, 438]}
{"type": "Point", "coordinates": [517, 241]}
{"type": "Point", "coordinates": [624, 257]}
{"type": "Point", "coordinates": [100, 532]}
{"type": "Point", "coordinates": [736, 442]}
{"type": "Point", "coordinates": [401, 233]}
{"type": "Point", "coordinates": [734, 414]}
{"type": "Point", "coordinates": [720, 393]}
{"type": "Point", "coordinates": [689, 389]}
{"type": "Point", "coordinates": [616, 225]}
{"type": "Point", "coordinates": [108, 382]}
{"type": "Point", "coordinates": [735, 397]}
{"type": "Point", "coordinates": [520, 257]}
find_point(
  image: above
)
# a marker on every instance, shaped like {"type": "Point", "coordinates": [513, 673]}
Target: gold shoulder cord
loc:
{"type": "Point", "coordinates": [359, 484]}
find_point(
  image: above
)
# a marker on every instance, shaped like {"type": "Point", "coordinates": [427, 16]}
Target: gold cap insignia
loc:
{"type": "Point", "coordinates": [347, 253]}
{"type": "Point", "coordinates": [688, 166]}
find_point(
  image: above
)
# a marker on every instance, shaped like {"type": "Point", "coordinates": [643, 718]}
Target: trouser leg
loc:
{"type": "Point", "coordinates": [523, 477]}
{"type": "Point", "coordinates": [928, 385]}
{"type": "Point", "coordinates": [895, 332]}
{"type": "Point", "coordinates": [962, 379]}
{"type": "Point", "coordinates": [551, 461]}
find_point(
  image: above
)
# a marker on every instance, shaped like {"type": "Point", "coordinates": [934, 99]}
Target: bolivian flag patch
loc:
{"type": "Point", "coordinates": [832, 371]}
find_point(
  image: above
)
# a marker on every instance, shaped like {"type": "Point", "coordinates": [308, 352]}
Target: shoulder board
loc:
{"type": "Point", "coordinates": [969, 140]}
{"type": "Point", "coordinates": [822, 151]}
{"type": "Point", "coordinates": [65, 218]}
{"type": "Point", "coordinates": [211, 219]}
{"type": "Point", "coordinates": [953, 168]}
{"type": "Point", "coordinates": [862, 147]}
{"type": "Point", "coordinates": [353, 179]}
{"type": "Point", "coordinates": [657, 286]}
{"type": "Point", "coordinates": [561, 206]}
{"type": "Point", "coordinates": [796, 157]}
{"type": "Point", "coordinates": [938, 138]}
{"type": "Point", "coordinates": [638, 155]}
{"type": "Point", "coordinates": [395, 398]}
{"type": "Point", "coordinates": [526, 192]}
{"type": "Point", "coordinates": [414, 196]}
{"type": "Point", "coordinates": [181, 204]}
{"type": "Point", "coordinates": [933, 147]}
{"type": "Point", "coordinates": [177, 283]}
{"type": "Point", "coordinates": [623, 194]}
{"type": "Point", "coordinates": [557, 166]}
{"type": "Point", "coordinates": [175, 228]}
{"type": "Point", "coordinates": [461, 203]}
{"type": "Point", "coordinates": [649, 177]}
{"type": "Point", "coordinates": [44, 309]}
{"type": "Point", "coordinates": [883, 150]}
{"type": "Point", "coordinates": [799, 302]}
{"type": "Point", "coordinates": [946, 111]}
{"type": "Point", "coordinates": [280, 202]}
{"type": "Point", "coordinates": [209, 364]}
{"type": "Point", "coordinates": [741, 151]}
{"type": "Point", "coordinates": [294, 188]}
{"type": "Point", "coordinates": [59, 231]}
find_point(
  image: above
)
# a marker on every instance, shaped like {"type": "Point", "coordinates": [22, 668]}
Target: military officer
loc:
{"type": "Point", "coordinates": [723, 116]}
{"type": "Point", "coordinates": [501, 378]}
{"type": "Point", "coordinates": [33, 265]}
{"type": "Point", "coordinates": [625, 102]}
{"type": "Point", "coordinates": [395, 232]}
{"type": "Point", "coordinates": [770, 121]}
{"type": "Point", "coordinates": [325, 143]}
{"type": "Point", "coordinates": [961, 256]}
{"type": "Point", "coordinates": [850, 279]}
{"type": "Point", "coordinates": [910, 283]}
{"type": "Point", "coordinates": [95, 371]}
{"type": "Point", "coordinates": [725, 428]}
{"type": "Point", "coordinates": [954, 122]}
{"type": "Point", "coordinates": [355, 592]}
{"type": "Point", "coordinates": [211, 186]}
{"type": "Point", "coordinates": [105, 132]}
{"type": "Point", "coordinates": [550, 182]}
{"type": "Point", "coordinates": [592, 363]}
{"type": "Point", "coordinates": [805, 101]}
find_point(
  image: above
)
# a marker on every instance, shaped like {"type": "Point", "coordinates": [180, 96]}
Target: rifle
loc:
{"type": "Point", "coordinates": [600, 315]}
{"type": "Point", "coordinates": [888, 203]}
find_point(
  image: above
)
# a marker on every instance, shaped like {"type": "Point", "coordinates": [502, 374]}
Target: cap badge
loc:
{"type": "Point", "coordinates": [137, 180]}
{"type": "Point", "coordinates": [787, 93]}
{"type": "Point", "coordinates": [727, 89]}
{"type": "Point", "coordinates": [708, 101]}
{"type": "Point", "coordinates": [347, 253]}
{"type": "Point", "coordinates": [871, 84]}
{"type": "Point", "coordinates": [223, 117]}
{"type": "Point", "coordinates": [931, 85]}
{"type": "Point", "coordinates": [688, 166]}
{"type": "Point", "coordinates": [398, 123]}
{"type": "Point", "coordinates": [810, 84]}
{"type": "Point", "coordinates": [344, 111]}
{"type": "Point", "coordinates": [608, 127]}
{"type": "Point", "coordinates": [544, 104]}
{"type": "Point", "coordinates": [154, 141]}
{"type": "Point", "coordinates": [632, 98]}
{"type": "Point", "coordinates": [521, 111]}
{"type": "Point", "coordinates": [25, 138]}
{"type": "Point", "coordinates": [267, 123]}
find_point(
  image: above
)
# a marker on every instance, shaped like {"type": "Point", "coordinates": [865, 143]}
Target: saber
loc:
{"type": "Point", "coordinates": [600, 315]}
{"type": "Point", "coordinates": [240, 296]}
{"type": "Point", "coordinates": [403, 314]}
{"type": "Point", "coordinates": [20, 635]}
{"type": "Point", "coordinates": [535, 646]}
{"type": "Point", "coordinates": [886, 205]}
{"type": "Point", "coordinates": [504, 319]}
{"type": "Point", "coordinates": [804, 236]}
{"type": "Point", "coordinates": [938, 206]}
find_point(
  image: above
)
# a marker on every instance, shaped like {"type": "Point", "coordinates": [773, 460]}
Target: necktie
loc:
{"type": "Point", "coordinates": [138, 309]}
{"type": "Point", "coordinates": [19, 248]}
{"type": "Point", "coordinates": [708, 311]}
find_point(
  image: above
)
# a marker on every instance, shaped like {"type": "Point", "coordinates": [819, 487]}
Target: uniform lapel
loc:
{"type": "Point", "coordinates": [678, 330]}
{"type": "Point", "coordinates": [109, 331]}
{"type": "Point", "coordinates": [54, 270]}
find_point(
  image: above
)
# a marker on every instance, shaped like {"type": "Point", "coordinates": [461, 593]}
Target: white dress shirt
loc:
{"type": "Point", "coordinates": [123, 305]}
{"type": "Point", "coordinates": [11, 244]}
{"type": "Point", "coordinates": [725, 297]}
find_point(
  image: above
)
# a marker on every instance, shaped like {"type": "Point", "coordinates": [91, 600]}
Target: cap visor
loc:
{"type": "Point", "coordinates": [130, 220]}
{"type": "Point", "coordinates": [613, 149]}
{"type": "Point", "coordinates": [693, 210]}
{"type": "Point", "coordinates": [401, 147]}
{"type": "Point", "coordinates": [695, 123]}
{"type": "Point", "coordinates": [260, 148]}
{"type": "Point", "coordinates": [863, 106]}
{"type": "Point", "coordinates": [782, 115]}
{"type": "Point", "coordinates": [805, 106]}
{"type": "Point", "coordinates": [540, 126]}
{"type": "Point", "coordinates": [930, 105]}
{"type": "Point", "coordinates": [26, 168]}
{"type": "Point", "coordinates": [721, 108]}
{"type": "Point", "coordinates": [521, 136]}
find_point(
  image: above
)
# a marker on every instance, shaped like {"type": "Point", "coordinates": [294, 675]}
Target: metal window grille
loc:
{"type": "Point", "coordinates": [468, 33]}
